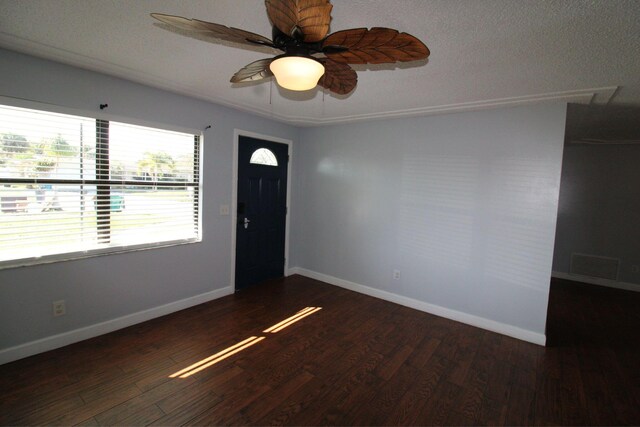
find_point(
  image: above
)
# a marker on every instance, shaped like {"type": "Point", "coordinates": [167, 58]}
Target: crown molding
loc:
{"type": "Point", "coordinates": [597, 96]}
{"type": "Point", "coordinates": [603, 95]}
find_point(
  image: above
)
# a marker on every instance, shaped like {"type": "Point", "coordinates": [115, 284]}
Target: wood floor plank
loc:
{"type": "Point", "coordinates": [359, 360]}
{"type": "Point", "coordinates": [98, 405]}
{"type": "Point", "coordinates": [297, 405]}
{"type": "Point", "coordinates": [43, 414]}
{"type": "Point", "coordinates": [492, 413]}
{"type": "Point", "coordinates": [521, 405]}
{"type": "Point", "coordinates": [392, 364]}
{"type": "Point", "coordinates": [142, 417]}
{"type": "Point", "coordinates": [424, 387]}
{"type": "Point", "coordinates": [266, 404]}
{"type": "Point", "coordinates": [198, 394]}
{"type": "Point", "coordinates": [190, 410]}
{"type": "Point", "coordinates": [231, 404]}
{"type": "Point", "coordinates": [33, 398]}
{"type": "Point", "coordinates": [119, 413]}
{"type": "Point", "coordinates": [343, 393]}
{"type": "Point", "coordinates": [122, 380]}
{"type": "Point", "coordinates": [384, 398]}
{"type": "Point", "coordinates": [89, 422]}
{"type": "Point", "coordinates": [438, 408]}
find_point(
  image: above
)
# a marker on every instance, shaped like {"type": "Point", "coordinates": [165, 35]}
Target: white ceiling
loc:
{"type": "Point", "coordinates": [484, 53]}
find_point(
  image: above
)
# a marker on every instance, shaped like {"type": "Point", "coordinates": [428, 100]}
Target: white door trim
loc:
{"type": "Point", "coordinates": [237, 133]}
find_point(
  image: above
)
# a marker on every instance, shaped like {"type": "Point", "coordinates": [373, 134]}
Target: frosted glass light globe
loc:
{"type": "Point", "coordinates": [297, 72]}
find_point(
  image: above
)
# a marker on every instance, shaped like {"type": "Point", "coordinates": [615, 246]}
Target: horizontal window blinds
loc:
{"type": "Point", "coordinates": [78, 185]}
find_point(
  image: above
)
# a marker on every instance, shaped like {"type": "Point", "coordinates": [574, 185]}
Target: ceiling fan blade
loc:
{"type": "Point", "coordinates": [306, 20]}
{"type": "Point", "coordinates": [375, 46]}
{"type": "Point", "coordinates": [210, 30]}
{"type": "Point", "coordinates": [255, 71]}
{"type": "Point", "coordinates": [338, 77]}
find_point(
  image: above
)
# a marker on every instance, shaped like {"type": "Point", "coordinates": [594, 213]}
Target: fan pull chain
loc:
{"type": "Point", "coordinates": [324, 91]}
{"type": "Point", "coordinates": [270, 91]}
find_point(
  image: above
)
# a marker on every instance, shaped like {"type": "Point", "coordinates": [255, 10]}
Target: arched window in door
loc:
{"type": "Point", "coordinates": [263, 156]}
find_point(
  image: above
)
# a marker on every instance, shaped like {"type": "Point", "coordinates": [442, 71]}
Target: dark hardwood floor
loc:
{"type": "Point", "coordinates": [357, 361]}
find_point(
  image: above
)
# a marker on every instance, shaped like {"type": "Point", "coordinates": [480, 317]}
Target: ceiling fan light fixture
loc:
{"type": "Point", "coordinates": [297, 72]}
{"type": "Point", "coordinates": [310, 56]}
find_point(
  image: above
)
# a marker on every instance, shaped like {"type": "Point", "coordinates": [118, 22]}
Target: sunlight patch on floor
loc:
{"type": "Point", "coordinates": [236, 348]}
{"type": "Point", "coordinates": [291, 320]}
{"type": "Point", "coordinates": [212, 360]}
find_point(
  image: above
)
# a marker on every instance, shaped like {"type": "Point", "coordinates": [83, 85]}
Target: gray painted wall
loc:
{"type": "Point", "coordinates": [599, 212]}
{"type": "Point", "coordinates": [104, 288]}
{"type": "Point", "coordinates": [464, 205]}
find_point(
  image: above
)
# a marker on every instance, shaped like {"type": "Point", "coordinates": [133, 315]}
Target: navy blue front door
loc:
{"type": "Point", "coordinates": [262, 211]}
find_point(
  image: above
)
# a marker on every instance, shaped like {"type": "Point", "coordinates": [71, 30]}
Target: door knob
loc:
{"type": "Point", "coordinates": [246, 223]}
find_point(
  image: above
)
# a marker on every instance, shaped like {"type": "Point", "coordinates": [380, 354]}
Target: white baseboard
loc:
{"type": "Point", "coordinates": [49, 343]}
{"type": "Point", "coordinates": [292, 271]}
{"type": "Point", "coordinates": [597, 281]}
{"type": "Point", "coordinates": [469, 319]}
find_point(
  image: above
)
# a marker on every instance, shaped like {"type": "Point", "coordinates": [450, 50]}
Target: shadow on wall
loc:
{"type": "Point", "coordinates": [596, 124]}
{"type": "Point", "coordinates": [599, 206]}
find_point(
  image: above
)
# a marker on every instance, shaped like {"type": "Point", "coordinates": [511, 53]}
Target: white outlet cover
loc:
{"type": "Point", "coordinates": [59, 308]}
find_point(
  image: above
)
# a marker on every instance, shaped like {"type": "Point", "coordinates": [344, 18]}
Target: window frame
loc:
{"type": "Point", "coordinates": [101, 117]}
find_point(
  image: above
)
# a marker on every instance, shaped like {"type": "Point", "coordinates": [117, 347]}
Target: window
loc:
{"type": "Point", "coordinates": [75, 186]}
{"type": "Point", "coordinates": [263, 156]}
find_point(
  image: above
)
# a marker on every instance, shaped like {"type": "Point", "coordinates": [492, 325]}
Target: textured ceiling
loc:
{"type": "Point", "coordinates": [483, 52]}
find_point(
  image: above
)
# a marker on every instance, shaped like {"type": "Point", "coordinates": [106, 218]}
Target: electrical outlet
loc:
{"type": "Point", "coordinates": [59, 308]}
{"type": "Point", "coordinates": [224, 209]}
{"type": "Point", "coordinates": [396, 274]}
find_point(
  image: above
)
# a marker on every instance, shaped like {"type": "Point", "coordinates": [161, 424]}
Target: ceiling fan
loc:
{"type": "Point", "coordinates": [307, 55]}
